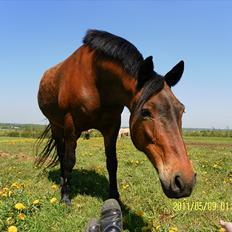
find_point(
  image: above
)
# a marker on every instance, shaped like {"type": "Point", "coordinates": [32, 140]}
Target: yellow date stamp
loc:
{"type": "Point", "coordinates": [202, 206]}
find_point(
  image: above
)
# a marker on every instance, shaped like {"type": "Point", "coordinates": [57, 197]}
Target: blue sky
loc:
{"type": "Point", "coordinates": [34, 35]}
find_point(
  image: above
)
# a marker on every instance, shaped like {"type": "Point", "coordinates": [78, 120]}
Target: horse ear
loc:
{"type": "Point", "coordinates": [174, 75]}
{"type": "Point", "coordinates": [145, 72]}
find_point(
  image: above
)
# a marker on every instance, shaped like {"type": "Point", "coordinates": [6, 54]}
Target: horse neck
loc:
{"type": "Point", "coordinates": [121, 85]}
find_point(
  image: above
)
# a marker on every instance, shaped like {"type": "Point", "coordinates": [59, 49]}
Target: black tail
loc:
{"type": "Point", "coordinates": [48, 155]}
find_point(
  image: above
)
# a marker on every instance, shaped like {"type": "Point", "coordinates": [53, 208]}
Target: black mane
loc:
{"type": "Point", "coordinates": [117, 48]}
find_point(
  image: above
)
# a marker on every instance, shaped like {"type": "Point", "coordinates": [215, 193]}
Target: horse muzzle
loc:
{"type": "Point", "coordinates": [177, 187]}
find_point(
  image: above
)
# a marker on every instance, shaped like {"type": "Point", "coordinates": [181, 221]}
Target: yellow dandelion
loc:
{"type": "Point", "coordinates": [4, 195]}
{"type": "Point", "coordinates": [222, 230]}
{"type": "Point", "coordinates": [20, 206]}
{"type": "Point", "coordinates": [22, 216]}
{"type": "Point", "coordinates": [173, 229]}
{"type": "Point", "coordinates": [12, 229]}
{"type": "Point", "coordinates": [140, 213]}
{"type": "Point", "coordinates": [17, 185]}
{"type": "Point", "coordinates": [136, 162]}
{"type": "Point", "coordinates": [157, 227]}
{"type": "Point", "coordinates": [53, 200]}
{"type": "Point", "coordinates": [5, 190]}
{"type": "Point", "coordinates": [125, 186]}
{"type": "Point", "coordinates": [35, 202]}
{"type": "Point", "coordinates": [55, 187]}
{"type": "Point", "coordinates": [10, 193]}
{"type": "Point", "coordinates": [78, 205]}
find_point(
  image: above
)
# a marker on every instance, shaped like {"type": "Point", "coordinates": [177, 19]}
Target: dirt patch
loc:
{"type": "Point", "coordinates": [19, 156]}
{"type": "Point", "coordinates": [4, 154]}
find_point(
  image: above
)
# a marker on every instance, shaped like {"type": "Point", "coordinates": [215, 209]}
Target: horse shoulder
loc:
{"type": "Point", "coordinates": [77, 88]}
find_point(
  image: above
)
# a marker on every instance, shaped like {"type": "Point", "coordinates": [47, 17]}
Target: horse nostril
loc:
{"type": "Point", "coordinates": [179, 183]}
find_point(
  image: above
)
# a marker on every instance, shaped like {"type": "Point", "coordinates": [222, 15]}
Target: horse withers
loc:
{"type": "Point", "coordinates": [90, 89]}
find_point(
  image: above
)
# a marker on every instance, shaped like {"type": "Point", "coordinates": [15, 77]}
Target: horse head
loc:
{"type": "Point", "coordinates": [156, 129]}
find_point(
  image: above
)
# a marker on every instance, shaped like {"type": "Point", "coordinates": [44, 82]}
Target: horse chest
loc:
{"type": "Point", "coordinates": [98, 118]}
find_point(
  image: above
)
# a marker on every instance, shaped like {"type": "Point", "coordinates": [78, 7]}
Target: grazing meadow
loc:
{"type": "Point", "coordinates": [29, 197]}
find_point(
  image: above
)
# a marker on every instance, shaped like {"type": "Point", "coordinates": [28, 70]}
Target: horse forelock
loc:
{"type": "Point", "coordinates": [152, 87]}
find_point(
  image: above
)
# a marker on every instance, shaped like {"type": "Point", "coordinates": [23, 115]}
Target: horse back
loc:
{"type": "Point", "coordinates": [70, 86]}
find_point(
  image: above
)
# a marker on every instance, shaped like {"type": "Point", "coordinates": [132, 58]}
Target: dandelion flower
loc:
{"type": "Point", "coordinates": [22, 216]}
{"type": "Point", "coordinates": [140, 213]}
{"type": "Point", "coordinates": [173, 229]}
{"type": "Point", "coordinates": [12, 229]}
{"type": "Point", "coordinates": [4, 192]}
{"type": "Point", "coordinates": [5, 189]}
{"type": "Point", "coordinates": [35, 202]}
{"type": "Point", "coordinates": [17, 185]}
{"type": "Point", "coordinates": [19, 206]}
{"type": "Point", "coordinates": [78, 205]}
{"type": "Point", "coordinates": [125, 186]}
{"type": "Point", "coordinates": [136, 162]}
{"type": "Point", "coordinates": [53, 200]}
{"type": "Point", "coordinates": [55, 187]}
{"type": "Point", "coordinates": [222, 230]}
{"type": "Point", "coordinates": [10, 193]}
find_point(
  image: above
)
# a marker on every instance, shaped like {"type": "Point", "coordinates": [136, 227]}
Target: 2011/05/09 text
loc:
{"type": "Point", "coordinates": [202, 206]}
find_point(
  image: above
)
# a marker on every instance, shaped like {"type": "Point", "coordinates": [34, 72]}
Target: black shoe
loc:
{"type": "Point", "coordinates": [93, 226]}
{"type": "Point", "coordinates": [111, 217]}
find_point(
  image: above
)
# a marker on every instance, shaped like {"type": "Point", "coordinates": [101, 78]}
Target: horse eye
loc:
{"type": "Point", "coordinates": [145, 113]}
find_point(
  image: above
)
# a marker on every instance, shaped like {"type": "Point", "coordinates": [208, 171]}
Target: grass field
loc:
{"type": "Point", "coordinates": [146, 207]}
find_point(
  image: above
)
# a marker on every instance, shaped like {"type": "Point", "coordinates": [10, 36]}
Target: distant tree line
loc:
{"type": "Point", "coordinates": [30, 131]}
{"type": "Point", "coordinates": [34, 131]}
{"type": "Point", "coordinates": [207, 132]}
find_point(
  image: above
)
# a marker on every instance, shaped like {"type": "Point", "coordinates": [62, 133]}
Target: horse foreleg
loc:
{"type": "Point", "coordinates": [110, 139]}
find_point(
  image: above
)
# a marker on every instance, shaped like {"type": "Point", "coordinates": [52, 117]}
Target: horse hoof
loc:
{"type": "Point", "coordinates": [65, 199]}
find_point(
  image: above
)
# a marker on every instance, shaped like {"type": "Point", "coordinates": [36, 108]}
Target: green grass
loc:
{"type": "Point", "coordinates": [146, 208]}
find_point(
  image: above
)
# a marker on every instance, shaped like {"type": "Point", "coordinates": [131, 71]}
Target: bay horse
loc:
{"type": "Point", "coordinates": [90, 89]}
